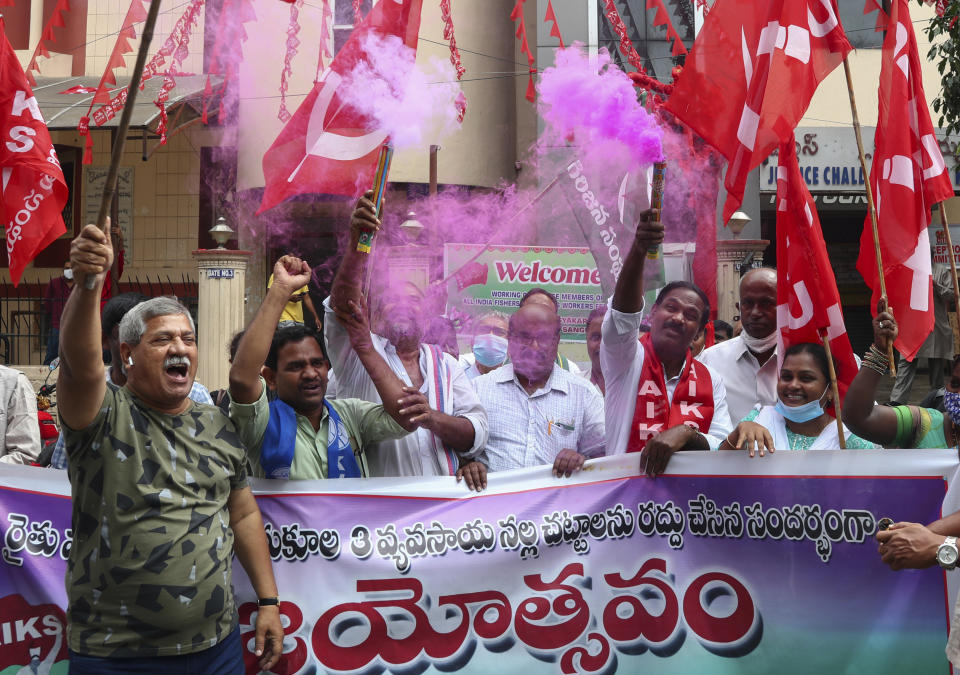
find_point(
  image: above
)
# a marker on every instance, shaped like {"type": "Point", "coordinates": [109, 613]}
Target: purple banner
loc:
{"type": "Point", "coordinates": [715, 566]}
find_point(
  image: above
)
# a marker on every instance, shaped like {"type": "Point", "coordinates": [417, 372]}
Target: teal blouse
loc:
{"type": "Point", "coordinates": [798, 442]}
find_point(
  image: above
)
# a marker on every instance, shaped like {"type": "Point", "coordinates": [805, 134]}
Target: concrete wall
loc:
{"type": "Point", "coordinates": [104, 19]}
{"type": "Point", "coordinates": [481, 153]}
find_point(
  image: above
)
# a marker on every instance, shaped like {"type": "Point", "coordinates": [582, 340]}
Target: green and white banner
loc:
{"type": "Point", "coordinates": [494, 278]}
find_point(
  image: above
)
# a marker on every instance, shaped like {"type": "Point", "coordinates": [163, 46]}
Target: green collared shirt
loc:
{"type": "Point", "coordinates": [365, 422]}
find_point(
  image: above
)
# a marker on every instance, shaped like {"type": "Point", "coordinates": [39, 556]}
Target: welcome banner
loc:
{"type": "Point", "coordinates": [495, 278]}
{"type": "Point", "coordinates": [724, 565]}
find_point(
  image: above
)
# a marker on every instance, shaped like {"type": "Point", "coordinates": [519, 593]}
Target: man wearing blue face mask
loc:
{"type": "Point", "coordinates": [489, 349]}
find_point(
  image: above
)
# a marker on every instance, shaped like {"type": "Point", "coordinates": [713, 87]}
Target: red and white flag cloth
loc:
{"type": "Point", "coordinates": [33, 188]}
{"type": "Point", "coordinates": [808, 302]}
{"type": "Point", "coordinates": [328, 147]}
{"type": "Point", "coordinates": [751, 75]}
{"type": "Point", "coordinates": [908, 177]}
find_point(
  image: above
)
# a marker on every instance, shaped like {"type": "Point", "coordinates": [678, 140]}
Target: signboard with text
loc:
{"type": "Point", "coordinates": [829, 160]}
{"type": "Point", "coordinates": [495, 278]}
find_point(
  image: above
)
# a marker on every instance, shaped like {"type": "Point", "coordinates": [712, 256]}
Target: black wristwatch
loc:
{"type": "Point", "coordinates": [267, 602]}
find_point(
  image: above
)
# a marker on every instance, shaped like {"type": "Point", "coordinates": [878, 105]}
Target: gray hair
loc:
{"type": "Point", "coordinates": [494, 314]}
{"type": "Point", "coordinates": [134, 323]}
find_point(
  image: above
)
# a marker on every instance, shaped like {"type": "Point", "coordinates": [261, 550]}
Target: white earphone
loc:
{"type": "Point", "coordinates": [129, 360]}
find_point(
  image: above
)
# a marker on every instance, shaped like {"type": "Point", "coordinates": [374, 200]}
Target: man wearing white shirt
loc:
{"type": "Point", "coordinates": [544, 297]}
{"type": "Point", "coordinates": [658, 398]}
{"type": "Point", "coordinates": [748, 362]}
{"type": "Point", "coordinates": [439, 399]}
{"type": "Point", "coordinates": [538, 412]}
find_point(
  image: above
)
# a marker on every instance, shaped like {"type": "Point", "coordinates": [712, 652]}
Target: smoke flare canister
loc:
{"type": "Point", "coordinates": [365, 242]}
{"type": "Point", "coordinates": [656, 199]}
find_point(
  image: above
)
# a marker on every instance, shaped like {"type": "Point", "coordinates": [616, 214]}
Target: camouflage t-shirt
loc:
{"type": "Point", "coordinates": [149, 569]}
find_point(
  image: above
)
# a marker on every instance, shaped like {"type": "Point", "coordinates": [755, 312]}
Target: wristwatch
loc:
{"type": "Point", "coordinates": [947, 553]}
{"type": "Point", "coordinates": [267, 602]}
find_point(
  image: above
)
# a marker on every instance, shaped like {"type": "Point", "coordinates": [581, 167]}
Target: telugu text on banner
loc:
{"type": "Point", "coordinates": [726, 564]}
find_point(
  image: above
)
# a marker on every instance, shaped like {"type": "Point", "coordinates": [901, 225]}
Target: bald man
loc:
{"type": "Point", "coordinates": [748, 363]}
{"type": "Point", "coordinates": [538, 412]}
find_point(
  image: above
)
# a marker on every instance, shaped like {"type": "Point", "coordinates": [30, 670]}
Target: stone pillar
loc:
{"type": "Point", "coordinates": [732, 254]}
{"type": "Point", "coordinates": [223, 276]}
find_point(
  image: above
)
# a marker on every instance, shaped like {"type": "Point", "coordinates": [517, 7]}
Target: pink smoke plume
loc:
{"type": "Point", "coordinates": [597, 103]}
{"type": "Point", "coordinates": [414, 105]}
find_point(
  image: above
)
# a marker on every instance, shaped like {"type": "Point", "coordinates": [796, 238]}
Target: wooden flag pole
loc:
{"type": "Point", "coordinates": [953, 261]}
{"type": "Point", "coordinates": [110, 186]}
{"type": "Point", "coordinates": [836, 391]}
{"type": "Point", "coordinates": [870, 205]}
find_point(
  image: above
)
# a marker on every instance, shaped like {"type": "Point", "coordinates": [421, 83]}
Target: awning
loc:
{"type": "Point", "coordinates": [63, 111]}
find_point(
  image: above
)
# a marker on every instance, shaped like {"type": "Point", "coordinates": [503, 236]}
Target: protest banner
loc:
{"type": "Point", "coordinates": [725, 564]}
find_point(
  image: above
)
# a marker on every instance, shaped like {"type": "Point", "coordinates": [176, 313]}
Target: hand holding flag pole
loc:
{"type": "Point", "coordinates": [365, 243]}
{"type": "Point", "coordinates": [871, 206]}
{"type": "Point", "coordinates": [110, 186]}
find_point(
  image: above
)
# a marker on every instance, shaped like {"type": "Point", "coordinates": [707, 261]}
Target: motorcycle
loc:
{"type": "Point", "coordinates": [49, 432]}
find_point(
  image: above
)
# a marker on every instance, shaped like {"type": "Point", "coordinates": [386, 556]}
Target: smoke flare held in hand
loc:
{"type": "Point", "coordinates": [597, 104]}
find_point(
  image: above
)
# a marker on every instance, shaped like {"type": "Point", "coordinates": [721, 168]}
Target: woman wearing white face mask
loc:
{"type": "Point", "coordinates": [799, 420]}
{"type": "Point", "coordinates": [902, 426]}
{"type": "Point", "coordinates": [489, 347]}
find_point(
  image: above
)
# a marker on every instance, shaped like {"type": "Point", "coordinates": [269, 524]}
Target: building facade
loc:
{"type": "Point", "coordinates": [170, 195]}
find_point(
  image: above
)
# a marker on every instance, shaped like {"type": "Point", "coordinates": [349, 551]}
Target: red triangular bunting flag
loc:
{"type": "Point", "coordinates": [551, 16]}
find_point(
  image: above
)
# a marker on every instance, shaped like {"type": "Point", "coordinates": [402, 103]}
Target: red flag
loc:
{"type": "Point", "coordinates": [750, 76]}
{"type": "Point", "coordinates": [908, 177]}
{"type": "Point", "coordinates": [471, 274]}
{"type": "Point", "coordinates": [326, 146]}
{"type": "Point", "coordinates": [808, 302]}
{"type": "Point", "coordinates": [33, 187]}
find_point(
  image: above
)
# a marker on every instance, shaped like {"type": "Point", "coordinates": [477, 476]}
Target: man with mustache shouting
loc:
{"type": "Point", "coordinates": [301, 434]}
{"type": "Point", "coordinates": [159, 493]}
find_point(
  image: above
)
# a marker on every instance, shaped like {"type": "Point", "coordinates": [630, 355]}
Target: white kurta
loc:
{"type": "Point", "coordinates": [414, 454]}
{"type": "Point", "coordinates": [621, 358]}
{"type": "Point", "coordinates": [19, 427]}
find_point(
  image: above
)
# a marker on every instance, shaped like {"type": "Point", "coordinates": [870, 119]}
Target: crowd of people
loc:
{"type": "Point", "coordinates": [384, 391]}
{"type": "Point", "coordinates": [371, 396]}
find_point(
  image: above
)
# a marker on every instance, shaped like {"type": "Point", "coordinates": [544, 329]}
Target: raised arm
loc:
{"type": "Point", "coordinates": [289, 274]}
{"type": "Point", "coordinates": [628, 294]}
{"type": "Point", "coordinates": [876, 423]}
{"type": "Point", "coordinates": [348, 282]}
{"type": "Point", "coordinates": [81, 383]}
{"type": "Point", "coordinates": [389, 386]}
